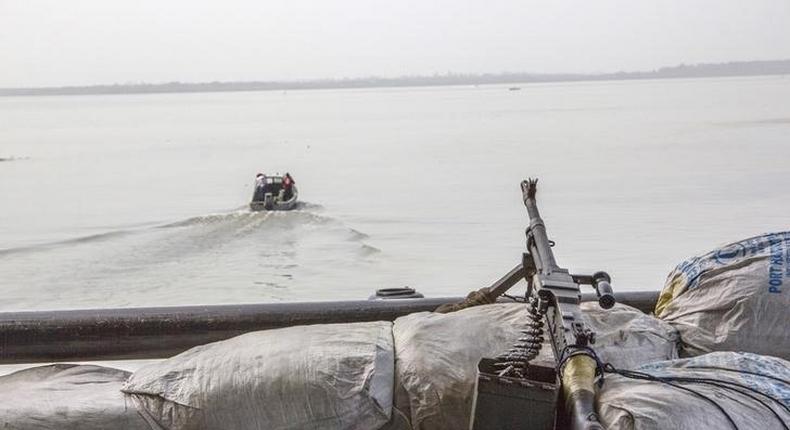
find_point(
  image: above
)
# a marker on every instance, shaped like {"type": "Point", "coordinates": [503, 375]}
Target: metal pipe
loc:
{"type": "Point", "coordinates": [136, 333]}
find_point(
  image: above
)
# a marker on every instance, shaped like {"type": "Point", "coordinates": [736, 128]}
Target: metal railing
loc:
{"type": "Point", "coordinates": [137, 333]}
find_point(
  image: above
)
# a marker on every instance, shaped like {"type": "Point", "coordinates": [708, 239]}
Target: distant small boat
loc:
{"type": "Point", "coordinates": [273, 196]}
{"type": "Point", "coordinates": [514, 89]}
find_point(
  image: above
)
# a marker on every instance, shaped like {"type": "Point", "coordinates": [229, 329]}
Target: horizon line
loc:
{"type": "Point", "coordinates": [730, 68]}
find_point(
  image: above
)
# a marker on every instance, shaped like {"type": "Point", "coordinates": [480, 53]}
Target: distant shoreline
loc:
{"type": "Point", "coordinates": [706, 70]}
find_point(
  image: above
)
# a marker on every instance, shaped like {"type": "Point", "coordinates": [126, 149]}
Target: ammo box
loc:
{"type": "Point", "coordinates": [515, 403]}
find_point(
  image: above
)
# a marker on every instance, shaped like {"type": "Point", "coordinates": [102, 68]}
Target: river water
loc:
{"type": "Point", "coordinates": [140, 200]}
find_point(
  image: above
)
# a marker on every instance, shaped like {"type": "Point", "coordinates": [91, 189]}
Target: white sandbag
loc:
{"type": "Point", "coordinates": [437, 354]}
{"type": "Point", "coordinates": [436, 359]}
{"type": "Point", "coordinates": [335, 376]}
{"type": "Point", "coordinates": [629, 404]}
{"type": "Point", "coordinates": [67, 397]}
{"type": "Point", "coordinates": [734, 298]}
{"type": "Point", "coordinates": [627, 337]}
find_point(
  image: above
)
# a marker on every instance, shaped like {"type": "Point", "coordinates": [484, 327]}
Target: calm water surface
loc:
{"type": "Point", "coordinates": [139, 200]}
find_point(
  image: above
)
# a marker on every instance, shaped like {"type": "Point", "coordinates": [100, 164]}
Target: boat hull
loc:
{"type": "Point", "coordinates": [274, 204]}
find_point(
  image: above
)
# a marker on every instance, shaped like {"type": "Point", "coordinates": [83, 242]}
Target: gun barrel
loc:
{"type": "Point", "coordinates": [539, 245]}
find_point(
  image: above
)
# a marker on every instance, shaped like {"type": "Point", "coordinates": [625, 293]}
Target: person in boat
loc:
{"type": "Point", "coordinates": [260, 186]}
{"type": "Point", "coordinates": [288, 183]}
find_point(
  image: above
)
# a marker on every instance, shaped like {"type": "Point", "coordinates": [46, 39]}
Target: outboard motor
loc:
{"type": "Point", "coordinates": [268, 201]}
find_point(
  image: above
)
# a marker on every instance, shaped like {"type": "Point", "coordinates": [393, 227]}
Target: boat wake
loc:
{"type": "Point", "coordinates": [233, 256]}
{"type": "Point", "coordinates": [234, 224]}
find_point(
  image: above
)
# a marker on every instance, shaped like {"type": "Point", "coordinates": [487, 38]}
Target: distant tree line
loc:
{"type": "Point", "coordinates": [735, 68]}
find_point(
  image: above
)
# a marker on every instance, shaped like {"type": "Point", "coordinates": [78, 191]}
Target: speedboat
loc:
{"type": "Point", "coordinates": [273, 196]}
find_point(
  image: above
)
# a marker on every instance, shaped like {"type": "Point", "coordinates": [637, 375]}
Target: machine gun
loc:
{"type": "Point", "coordinates": [513, 392]}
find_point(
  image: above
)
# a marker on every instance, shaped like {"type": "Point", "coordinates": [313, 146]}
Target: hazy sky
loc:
{"type": "Point", "coordinates": [77, 42]}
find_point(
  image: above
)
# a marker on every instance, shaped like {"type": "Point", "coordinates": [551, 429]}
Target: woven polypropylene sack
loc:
{"type": "Point", "coordinates": [67, 397]}
{"type": "Point", "coordinates": [627, 337]}
{"type": "Point", "coordinates": [631, 404]}
{"type": "Point", "coordinates": [334, 376]}
{"type": "Point", "coordinates": [734, 298]}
